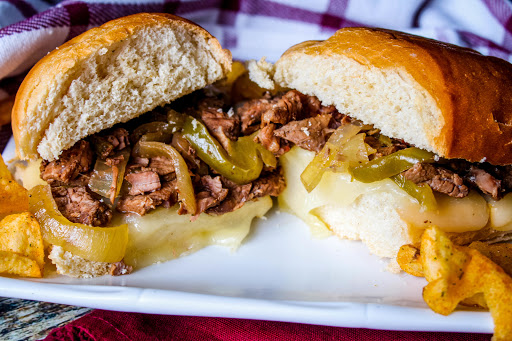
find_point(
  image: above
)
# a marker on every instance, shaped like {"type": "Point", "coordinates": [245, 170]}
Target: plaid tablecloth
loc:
{"type": "Point", "coordinates": [250, 29]}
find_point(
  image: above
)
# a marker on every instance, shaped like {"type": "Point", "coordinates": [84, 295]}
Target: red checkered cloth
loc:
{"type": "Point", "coordinates": [250, 29]}
{"type": "Point", "coordinates": [115, 326]}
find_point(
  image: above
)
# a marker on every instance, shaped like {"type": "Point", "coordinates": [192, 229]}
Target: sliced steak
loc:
{"type": "Point", "coordinates": [220, 125]}
{"type": "Point", "coordinates": [212, 193]}
{"type": "Point", "coordinates": [78, 206]}
{"type": "Point", "coordinates": [138, 162]}
{"type": "Point", "coordinates": [272, 184]}
{"type": "Point", "coordinates": [186, 150]}
{"type": "Point", "coordinates": [105, 144]}
{"type": "Point", "coordinates": [78, 159]}
{"type": "Point", "coordinates": [268, 140]}
{"type": "Point", "coordinates": [167, 195]}
{"type": "Point", "coordinates": [487, 183]}
{"type": "Point", "coordinates": [142, 182]}
{"type": "Point", "coordinates": [284, 109]}
{"type": "Point", "coordinates": [439, 179]}
{"type": "Point", "coordinates": [383, 149]}
{"type": "Point", "coordinates": [138, 204]}
{"type": "Point", "coordinates": [161, 165]}
{"type": "Point", "coordinates": [236, 198]}
{"type": "Point", "coordinates": [310, 133]}
{"type": "Point", "coordinates": [250, 113]}
{"type": "Point", "coordinates": [118, 138]}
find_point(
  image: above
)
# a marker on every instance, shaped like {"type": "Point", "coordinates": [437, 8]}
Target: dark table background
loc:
{"type": "Point", "coordinates": [33, 320]}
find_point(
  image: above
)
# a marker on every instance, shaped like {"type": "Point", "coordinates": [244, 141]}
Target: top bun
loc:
{"type": "Point", "coordinates": [450, 100]}
{"type": "Point", "coordinates": [111, 74]}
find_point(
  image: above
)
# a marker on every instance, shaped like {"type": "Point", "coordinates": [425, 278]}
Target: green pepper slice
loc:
{"type": "Point", "coordinates": [243, 161]}
{"type": "Point", "coordinates": [387, 166]}
{"type": "Point", "coordinates": [161, 131]}
{"type": "Point", "coordinates": [185, 189]}
{"type": "Point", "coordinates": [422, 193]}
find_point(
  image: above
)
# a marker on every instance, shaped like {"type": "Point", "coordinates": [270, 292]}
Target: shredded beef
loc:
{"type": "Point", "coordinates": [284, 109]}
{"type": "Point", "coordinates": [120, 268]}
{"type": "Point", "coordinates": [271, 142]}
{"type": "Point", "coordinates": [186, 150]}
{"type": "Point", "coordinates": [78, 159]}
{"type": "Point", "coordinates": [383, 149]}
{"type": "Point", "coordinates": [79, 206]}
{"type": "Point", "coordinates": [105, 145]}
{"type": "Point", "coordinates": [272, 184]}
{"type": "Point", "coordinates": [138, 162]}
{"type": "Point", "coordinates": [167, 195]}
{"type": "Point", "coordinates": [220, 125]}
{"type": "Point", "coordinates": [161, 165]}
{"type": "Point", "coordinates": [139, 204]}
{"type": "Point", "coordinates": [250, 113]}
{"type": "Point", "coordinates": [310, 133]}
{"type": "Point", "coordinates": [212, 193]}
{"type": "Point", "coordinates": [439, 179]}
{"type": "Point", "coordinates": [142, 182]}
{"type": "Point", "coordinates": [119, 138]}
{"type": "Point", "coordinates": [485, 182]}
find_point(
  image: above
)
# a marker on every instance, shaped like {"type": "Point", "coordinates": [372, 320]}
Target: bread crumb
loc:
{"type": "Point", "coordinates": [393, 266]}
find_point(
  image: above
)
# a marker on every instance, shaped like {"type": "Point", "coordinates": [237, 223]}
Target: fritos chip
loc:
{"type": "Point", "coordinates": [456, 273]}
{"type": "Point", "coordinates": [4, 171]}
{"type": "Point", "coordinates": [20, 236]}
{"type": "Point", "coordinates": [13, 197]}
{"type": "Point", "coordinates": [409, 260]}
{"type": "Point", "coordinates": [15, 264]}
{"type": "Point", "coordinates": [21, 233]}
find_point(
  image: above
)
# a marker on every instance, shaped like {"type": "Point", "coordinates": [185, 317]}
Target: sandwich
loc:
{"type": "Point", "coordinates": [133, 155]}
{"type": "Point", "coordinates": [412, 132]}
{"type": "Point", "coordinates": [145, 136]}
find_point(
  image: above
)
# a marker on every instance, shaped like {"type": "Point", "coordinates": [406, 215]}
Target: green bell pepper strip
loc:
{"type": "Point", "coordinates": [185, 188]}
{"type": "Point", "coordinates": [243, 161]}
{"type": "Point", "coordinates": [422, 193]}
{"type": "Point", "coordinates": [387, 166]}
{"type": "Point", "coordinates": [162, 131]}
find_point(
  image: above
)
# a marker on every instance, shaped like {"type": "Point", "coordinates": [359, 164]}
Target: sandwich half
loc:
{"type": "Point", "coordinates": [424, 137]}
{"type": "Point", "coordinates": [129, 141]}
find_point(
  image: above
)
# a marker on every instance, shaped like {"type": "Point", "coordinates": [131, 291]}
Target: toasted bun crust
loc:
{"type": "Point", "coordinates": [111, 74]}
{"type": "Point", "coordinates": [440, 97]}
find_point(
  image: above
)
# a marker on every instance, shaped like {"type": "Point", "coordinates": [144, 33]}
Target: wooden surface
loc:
{"type": "Point", "coordinates": [33, 320]}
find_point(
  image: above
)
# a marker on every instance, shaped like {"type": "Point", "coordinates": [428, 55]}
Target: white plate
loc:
{"type": "Point", "coordinates": [279, 273]}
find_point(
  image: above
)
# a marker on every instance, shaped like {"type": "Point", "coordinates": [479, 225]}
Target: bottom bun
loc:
{"type": "Point", "coordinates": [382, 215]}
{"type": "Point", "coordinates": [74, 266]}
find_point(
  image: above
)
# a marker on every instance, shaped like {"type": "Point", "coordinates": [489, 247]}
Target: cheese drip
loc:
{"type": "Point", "coordinates": [336, 192]}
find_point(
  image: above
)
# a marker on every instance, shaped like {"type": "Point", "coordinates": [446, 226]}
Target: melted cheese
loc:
{"type": "Point", "coordinates": [338, 190]}
{"type": "Point", "coordinates": [501, 213]}
{"type": "Point", "coordinates": [162, 234]}
{"type": "Point", "coordinates": [29, 174]}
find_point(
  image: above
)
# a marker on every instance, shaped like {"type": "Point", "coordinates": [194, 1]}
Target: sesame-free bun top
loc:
{"type": "Point", "coordinates": [111, 74]}
{"type": "Point", "coordinates": [440, 97]}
